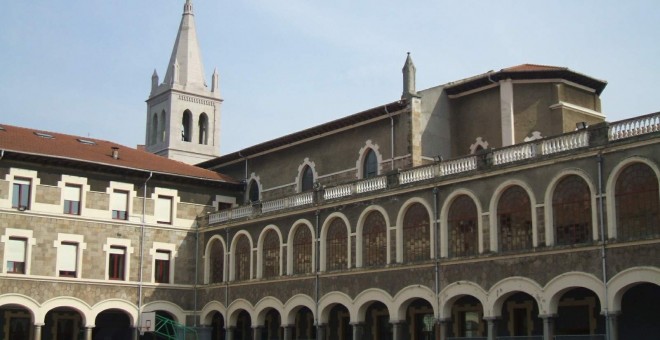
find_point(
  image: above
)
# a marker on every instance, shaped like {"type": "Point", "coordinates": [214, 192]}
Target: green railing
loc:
{"type": "Point", "coordinates": [172, 330]}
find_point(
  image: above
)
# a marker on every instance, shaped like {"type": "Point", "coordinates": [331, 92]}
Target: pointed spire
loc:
{"type": "Point", "coordinates": [186, 56]}
{"type": "Point", "coordinates": [409, 70]}
{"type": "Point", "coordinates": [214, 81]}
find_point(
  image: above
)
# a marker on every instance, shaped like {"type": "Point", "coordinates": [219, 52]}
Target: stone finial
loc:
{"type": "Point", "coordinates": [409, 72]}
{"type": "Point", "coordinates": [214, 81]}
{"type": "Point", "coordinates": [188, 7]}
{"type": "Point", "coordinates": [154, 81]}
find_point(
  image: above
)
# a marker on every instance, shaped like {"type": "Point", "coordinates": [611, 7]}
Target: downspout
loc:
{"type": "Point", "coordinates": [140, 278]}
{"type": "Point", "coordinates": [196, 273]}
{"type": "Point", "coordinates": [603, 253]}
{"type": "Point", "coordinates": [226, 269]}
{"type": "Point", "coordinates": [391, 137]}
{"type": "Point", "coordinates": [317, 263]}
{"type": "Point", "coordinates": [436, 249]}
{"type": "Point", "coordinates": [246, 165]}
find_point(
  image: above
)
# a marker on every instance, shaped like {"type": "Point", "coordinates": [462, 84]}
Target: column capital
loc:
{"type": "Point", "coordinates": [547, 316]}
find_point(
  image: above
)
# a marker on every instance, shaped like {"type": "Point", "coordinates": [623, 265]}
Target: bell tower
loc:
{"type": "Point", "coordinates": [183, 114]}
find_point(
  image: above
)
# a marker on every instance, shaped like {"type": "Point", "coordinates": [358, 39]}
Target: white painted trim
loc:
{"type": "Point", "coordinates": [81, 245]}
{"type": "Point", "coordinates": [577, 108]}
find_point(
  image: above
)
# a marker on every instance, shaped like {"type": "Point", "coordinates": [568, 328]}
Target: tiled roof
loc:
{"type": "Point", "coordinates": [96, 151]}
{"type": "Point", "coordinates": [533, 67]}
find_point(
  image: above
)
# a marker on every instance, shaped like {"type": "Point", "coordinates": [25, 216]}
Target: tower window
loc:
{"type": "Point", "coordinates": [185, 126]}
{"type": "Point", "coordinates": [203, 129]}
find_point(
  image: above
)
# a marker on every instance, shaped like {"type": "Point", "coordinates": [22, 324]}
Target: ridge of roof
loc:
{"type": "Point", "coordinates": [98, 151]}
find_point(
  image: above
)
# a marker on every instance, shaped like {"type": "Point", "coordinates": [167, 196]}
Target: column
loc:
{"type": "Point", "coordinates": [320, 332]}
{"type": "Point", "coordinates": [357, 330]}
{"type": "Point", "coordinates": [397, 330]}
{"type": "Point", "coordinates": [288, 332]}
{"type": "Point", "coordinates": [442, 325]}
{"type": "Point", "coordinates": [135, 333]}
{"type": "Point", "coordinates": [256, 331]}
{"type": "Point", "coordinates": [204, 332]}
{"type": "Point", "coordinates": [612, 325]}
{"type": "Point", "coordinates": [37, 331]}
{"type": "Point", "coordinates": [88, 333]}
{"type": "Point", "coordinates": [229, 333]}
{"type": "Point", "coordinates": [548, 327]}
{"type": "Point", "coordinates": [492, 327]}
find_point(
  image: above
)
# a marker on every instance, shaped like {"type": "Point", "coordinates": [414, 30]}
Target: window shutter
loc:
{"type": "Point", "coordinates": [164, 209]}
{"type": "Point", "coordinates": [68, 255]}
{"type": "Point", "coordinates": [117, 250]}
{"type": "Point", "coordinates": [71, 193]}
{"type": "Point", "coordinates": [162, 255]}
{"type": "Point", "coordinates": [118, 201]}
{"type": "Point", "coordinates": [15, 250]}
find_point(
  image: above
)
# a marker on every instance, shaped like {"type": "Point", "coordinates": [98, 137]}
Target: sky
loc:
{"type": "Point", "coordinates": [84, 67]}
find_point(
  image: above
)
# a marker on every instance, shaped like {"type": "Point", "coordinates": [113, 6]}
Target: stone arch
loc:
{"type": "Point", "coordinates": [207, 311]}
{"type": "Point", "coordinates": [624, 280]}
{"type": "Point", "coordinates": [444, 215]}
{"type": "Point", "coordinates": [497, 194]}
{"type": "Point", "coordinates": [235, 308]}
{"type": "Point", "coordinates": [69, 302]}
{"type": "Point", "coordinates": [329, 300]}
{"type": "Point", "coordinates": [203, 128]}
{"type": "Point", "coordinates": [365, 298]}
{"type": "Point", "coordinates": [260, 244]}
{"type": "Point", "coordinates": [290, 240]}
{"type": "Point", "coordinates": [405, 296]}
{"type": "Point", "coordinates": [177, 312]}
{"type": "Point", "coordinates": [549, 193]}
{"type": "Point", "coordinates": [232, 253]}
{"type": "Point", "coordinates": [505, 288]}
{"type": "Point", "coordinates": [554, 290]}
{"type": "Point", "coordinates": [261, 308]}
{"type": "Point", "coordinates": [360, 226]}
{"type": "Point", "coordinates": [299, 177]}
{"type": "Point", "coordinates": [362, 153]}
{"type": "Point", "coordinates": [207, 257]}
{"type": "Point", "coordinates": [292, 306]}
{"type": "Point", "coordinates": [26, 302]}
{"type": "Point", "coordinates": [610, 189]}
{"type": "Point", "coordinates": [399, 226]}
{"type": "Point", "coordinates": [457, 290]}
{"type": "Point", "coordinates": [129, 308]}
{"type": "Point", "coordinates": [324, 235]}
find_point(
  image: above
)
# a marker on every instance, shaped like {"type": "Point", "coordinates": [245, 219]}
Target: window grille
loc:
{"type": "Point", "coordinates": [243, 258]}
{"type": "Point", "coordinates": [571, 211]}
{"type": "Point", "coordinates": [271, 254]}
{"type": "Point", "coordinates": [374, 240]}
{"type": "Point", "coordinates": [637, 203]}
{"type": "Point", "coordinates": [515, 220]}
{"type": "Point", "coordinates": [336, 245]}
{"type": "Point", "coordinates": [462, 224]}
{"type": "Point", "coordinates": [302, 250]}
{"type": "Point", "coordinates": [416, 234]}
{"type": "Point", "coordinates": [217, 254]}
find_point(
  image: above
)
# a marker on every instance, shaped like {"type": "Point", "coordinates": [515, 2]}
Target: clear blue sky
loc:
{"type": "Point", "coordinates": [84, 67]}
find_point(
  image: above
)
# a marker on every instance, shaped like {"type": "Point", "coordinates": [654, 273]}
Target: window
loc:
{"type": "Point", "coordinates": [302, 250]}
{"type": "Point", "coordinates": [242, 258]}
{"type": "Point", "coordinates": [67, 259]}
{"type": "Point", "coordinates": [21, 194]}
{"type": "Point", "coordinates": [637, 205]}
{"type": "Point", "coordinates": [154, 130]}
{"type": "Point", "coordinates": [119, 204]}
{"type": "Point", "coordinates": [307, 181]}
{"type": "Point", "coordinates": [370, 166]}
{"type": "Point", "coordinates": [203, 129]}
{"type": "Point", "coordinates": [515, 219]}
{"type": "Point", "coordinates": [416, 234]}
{"type": "Point", "coordinates": [72, 199]}
{"type": "Point", "coordinates": [164, 209]}
{"type": "Point", "coordinates": [15, 255]}
{"type": "Point", "coordinates": [336, 245]}
{"type": "Point", "coordinates": [271, 254]}
{"type": "Point", "coordinates": [253, 195]}
{"type": "Point", "coordinates": [571, 210]}
{"type": "Point", "coordinates": [462, 227]}
{"type": "Point", "coordinates": [374, 240]}
{"type": "Point", "coordinates": [217, 261]}
{"type": "Point", "coordinates": [185, 126]}
{"type": "Point", "coordinates": [116, 263]}
{"type": "Point", "coordinates": [162, 266]}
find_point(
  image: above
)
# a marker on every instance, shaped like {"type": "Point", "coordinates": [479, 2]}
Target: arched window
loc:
{"type": "Point", "coordinates": [203, 129]}
{"type": "Point", "coordinates": [416, 234]}
{"type": "Point", "coordinates": [185, 126]}
{"type": "Point", "coordinates": [242, 258]}
{"type": "Point", "coordinates": [571, 211]}
{"type": "Point", "coordinates": [336, 245]}
{"type": "Point", "coordinates": [637, 206]}
{"type": "Point", "coordinates": [153, 137]}
{"type": "Point", "coordinates": [307, 179]}
{"type": "Point", "coordinates": [216, 261]}
{"type": "Point", "coordinates": [374, 240]}
{"type": "Point", "coordinates": [515, 220]}
{"type": "Point", "coordinates": [161, 127]}
{"type": "Point", "coordinates": [370, 165]}
{"type": "Point", "coordinates": [271, 254]}
{"type": "Point", "coordinates": [253, 191]}
{"type": "Point", "coordinates": [302, 250]}
{"type": "Point", "coordinates": [462, 222]}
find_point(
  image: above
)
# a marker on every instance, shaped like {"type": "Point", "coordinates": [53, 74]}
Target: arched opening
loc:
{"type": "Point", "coordinates": [307, 179]}
{"type": "Point", "coordinates": [186, 130]}
{"type": "Point", "coordinates": [271, 254]}
{"type": "Point", "coordinates": [416, 234]}
{"type": "Point", "coordinates": [302, 250]}
{"type": "Point", "coordinates": [16, 321]}
{"type": "Point", "coordinates": [419, 321]}
{"type": "Point", "coordinates": [243, 330]}
{"type": "Point", "coordinates": [578, 313]}
{"type": "Point", "coordinates": [520, 317]}
{"type": "Point", "coordinates": [272, 326]}
{"type": "Point", "coordinates": [153, 136]}
{"type": "Point", "coordinates": [514, 219]}
{"type": "Point", "coordinates": [377, 322]}
{"type": "Point", "coordinates": [462, 223]}
{"type": "Point", "coordinates": [112, 324]}
{"type": "Point", "coordinates": [216, 262]}
{"type": "Point", "coordinates": [571, 211]}
{"type": "Point", "coordinates": [203, 126]}
{"type": "Point", "coordinates": [467, 318]}
{"type": "Point", "coordinates": [640, 307]}
{"type": "Point", "coordinates": [637, 203]}
{"type": "Point", "coordinates": [374, 240]}
{"type": "Point", "coordinates": [253, 191]}
{"type": "Point", "coordinates": [304, 327]}
{"type": "Point", "coordinates": [242, 258]}
{"type": "Point", "coordinates": [339, 323]}
{"type": "Point", "coordinates": [162, 134]}
{"type": "Point", "coordinates": [336, 245]}
{"type": "Point", "coordinates": [370, 165]}
{"type": "Point", "coordinates": [63, 323]}
{"type": "Point", "coordinates": [217, 326]}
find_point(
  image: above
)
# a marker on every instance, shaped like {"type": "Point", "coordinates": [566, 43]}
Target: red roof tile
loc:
{"type": "Point", "coordinates": [97, 151]}
{"type": "Point", "coordinates": [533, 67]}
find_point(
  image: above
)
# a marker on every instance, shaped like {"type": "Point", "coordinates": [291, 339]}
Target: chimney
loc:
{"type": "Point", "coordinates": [115, 152]}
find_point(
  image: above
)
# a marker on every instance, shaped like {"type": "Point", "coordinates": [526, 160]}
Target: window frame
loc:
{"type": "Point", "coordinates": [23, 234]}
{"type": "Point", "coordinates": [71, 207]}
{"type": "Point", "coordinates": [24, 193]}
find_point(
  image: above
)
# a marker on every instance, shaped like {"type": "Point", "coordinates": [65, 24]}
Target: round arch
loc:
{"type": "Point", "coordinates": [207, 311]}
{"type": "Point", "coordinates": [207, 257]}
{"type": "Point", "coordinates": [444, 215]}
{"type": "Point", "coordinates": [69, 302]}
{"type": "Point", "coordinates": [260, 249]}
{"type": "Point", "coordinates": [554, 290]}
{"type": "Point", "coordinates": [176, 311]}
{"type": "Point", "coordinates": [494, 202]}
{"type": "Point", "coordinates": [621, 282]}
{"type": "Point", "coordinates": [505, 288]}
{"type": "Point", "coordinates": [360, 227]}
{"type": "Point", "coordinates": [289, 249]}
{"type": "Point", "coordinates": [235, 308]}
{"type": "Point", "coordinates": [129, 308]}
{"type": "Point", "coordinates": [405, 296]}
{"type": "Point", "coordinates": [262, 307]}
{"type": "Point", "coordinates": [399, 226]}
{"type": "Point", "coordinates": [324, 237]}
{"type": "Point", "coordinates": [329, 300]}
{"type": "Point", "coordinates": [232, 253]}
{"type": "Point", "coordinates": [457, 290]}
{"type": "Point", "coordinates": [292, 306]}
{"type": "Point", "coordinates": [24, 301]}
{"type": "Point", "coordinates": [365, 298]}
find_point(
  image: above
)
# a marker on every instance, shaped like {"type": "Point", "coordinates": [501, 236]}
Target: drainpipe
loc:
{"type": "Point", "coordinates": [140, 278]}
{"type": "Point", "coordinates": [436, 247]}
{"type": "Point", "coordinates": [196, 273]}
{"type": "Point", "coordinates": [226, 269]}
{"type": "Point", "coordinates": [317, 264]}
{"type": "Point", "coordinates": [391, 137]}
{"type": "Point", "coordinates": [603, 253]}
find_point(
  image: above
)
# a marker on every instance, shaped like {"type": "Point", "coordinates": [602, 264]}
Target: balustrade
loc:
{"type": "Point", "coordinates": [565, 142]}
{"type": "Point", "coordinates": [635, 127]}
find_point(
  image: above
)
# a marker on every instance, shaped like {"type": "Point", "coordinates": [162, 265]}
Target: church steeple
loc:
{"type": "Point", "coordinates": [409, 70]}
{"type": "Point", "coordinates": [185, 68]}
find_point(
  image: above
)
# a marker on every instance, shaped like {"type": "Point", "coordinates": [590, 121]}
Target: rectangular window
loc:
{"type": "Point", "coordinates": [119, 204]}
{"type": "Point", "coordinates": [67, 259]}
{"type": "Point", "coordinates": [21, 194]}
{"type": "Point", "coordinates": [116, 263]}
{"type": "Point", "coordinates": [164, 209]}
{"type": "Point", "coordinates": [15, 254]}
{"type": "Point", "coordinates": [162, 266]}
{"type": "Point", "coordinates": [72, 199]}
